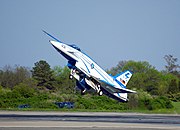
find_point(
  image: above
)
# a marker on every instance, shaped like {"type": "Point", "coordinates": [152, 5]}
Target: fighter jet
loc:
{"type": "Point", "coordinates": [89, 75]}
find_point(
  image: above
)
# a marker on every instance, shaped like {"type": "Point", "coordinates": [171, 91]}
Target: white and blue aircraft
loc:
{"type": "Point", "coordinates": [89, 75]}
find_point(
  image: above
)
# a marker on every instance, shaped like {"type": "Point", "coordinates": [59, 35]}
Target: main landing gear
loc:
{"type": "Point", "coordinates": [91, 82]}
{"type": "Point", "coordinates": [99, 91]}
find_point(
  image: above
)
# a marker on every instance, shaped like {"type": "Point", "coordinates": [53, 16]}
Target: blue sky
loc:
{"type": "Point", "coordinates": [107, 30]}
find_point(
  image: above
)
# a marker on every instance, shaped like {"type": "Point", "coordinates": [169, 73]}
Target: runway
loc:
{"type": "Point", "coordinates": [10, 120]}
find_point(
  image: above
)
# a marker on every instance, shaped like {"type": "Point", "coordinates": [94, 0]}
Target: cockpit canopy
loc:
{"type": "Point", "coordinates": [75, 47]}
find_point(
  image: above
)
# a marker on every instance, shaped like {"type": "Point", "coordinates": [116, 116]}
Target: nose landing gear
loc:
{"type": "Point", "coordinates": [83, 91]}
{"type": "Point", "coordinates": [70, 76]}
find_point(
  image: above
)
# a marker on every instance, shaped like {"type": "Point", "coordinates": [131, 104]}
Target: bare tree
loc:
{"type": "Point", "coordinates": [172, 66]}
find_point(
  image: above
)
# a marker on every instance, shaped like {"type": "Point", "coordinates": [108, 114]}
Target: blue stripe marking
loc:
{"type": "Point", "coordinates": [119, 94]}
{"type": "Point", "coordinates": [89, 57]}
{"type": "Point", "coordinates": [107, 83]}
{"type": "Point", "coordinates": [94, 66]}
{"type": "Point", "coordinates": [86, 66]}
{"type": "Point", "coordinates": [120, 83]}
{"type": "Point", "coordinates": [101, 75]}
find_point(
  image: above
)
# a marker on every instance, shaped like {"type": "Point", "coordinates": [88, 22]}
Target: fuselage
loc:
{"type": "Point", "coordinates": [84, 63]}
{"type": "Point", "coordinates": [89, 74]}
{"type": "Point", "coordinates": [90, 68]}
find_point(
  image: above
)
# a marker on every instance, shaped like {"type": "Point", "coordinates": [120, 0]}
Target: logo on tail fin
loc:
{"type": "Point", "coordinates": [124, 77]}
{"type": "Point", "coordinates": [122, 81]}
{"type": "Point", "coordinates": [127, 75]}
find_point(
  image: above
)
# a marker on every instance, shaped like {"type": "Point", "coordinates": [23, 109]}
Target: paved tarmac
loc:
{"type": "Point", "coordinates": [15, 120]}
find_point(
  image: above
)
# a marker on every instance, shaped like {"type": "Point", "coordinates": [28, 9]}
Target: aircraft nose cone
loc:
{"type": "Point", "coordinates": [56, 45]}
{"type": "Point", "coordinates": [53, 43]}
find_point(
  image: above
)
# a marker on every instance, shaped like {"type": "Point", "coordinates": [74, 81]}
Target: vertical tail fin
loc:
{"type": "Point", "coordinates": [123, 77]}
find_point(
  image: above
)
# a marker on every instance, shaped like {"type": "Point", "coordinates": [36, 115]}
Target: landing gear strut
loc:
{"type": "Point", "coordinates": [99, 91]}
{"type": "Point", "coordinates": [83, 92]}
{"type": "Point", "coordinates": [73, 71]}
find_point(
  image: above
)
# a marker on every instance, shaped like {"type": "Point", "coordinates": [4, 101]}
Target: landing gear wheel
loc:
{"type": "Point", "coordinates": [70, 77]}
{"type": "Point", "coordinates": [100, 93]}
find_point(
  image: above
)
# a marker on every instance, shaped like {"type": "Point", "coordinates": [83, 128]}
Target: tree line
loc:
{"type": "Point", "coordinates": [42, 85]}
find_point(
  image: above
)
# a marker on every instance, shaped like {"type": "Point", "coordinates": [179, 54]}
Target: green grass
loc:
{"type": "Point", "coordinates": [175, 110]}
{"type": "Point", "coordinates": [176, 107]}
